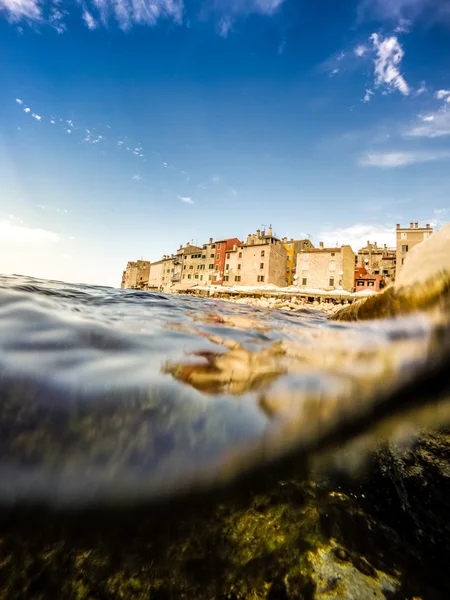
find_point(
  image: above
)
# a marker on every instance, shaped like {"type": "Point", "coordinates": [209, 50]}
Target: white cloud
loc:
{"type": "Point", "coordinates": [137, 177]}
{"type": "Point", "coordinates": [335, 71]}
{"type": "Point", "coordinates": [389, 160]}
{"type": "Point", "coordinates": [69, 130]}
{"type": "Point", "coordinates": [367, 96]}
{"type": "Point", "coordinates": [12, 233]}
{"type": "Point", "coordinates": [52, 121]}
{"type": "Point", "coordinates": [185, 199]}
{"type": "Point", "coordinates": [389, 56]}
{"type": "Point", "coordinates": [434, 125]}
{"type": "Point", "coordinates": [21, 9]}
{"type": "Point", "coordinates": [120, 143]}
{"type": "Point", "coordinates": [422, 89]}
{"type": "Point", "coordinates": [360, 50]}
{"type": "Point", "coordinates": [234, 192]}
{"type": "Point", "coordinates": [27, 110]}
{"type": "Point", "coordinates": [357, 236]}
{"type": "Point", "coordinates": [224, 26]}
{"type": "Point", "coordinates": [216, 179]}
{"type": "Point", "coordinates": [443, 95]}
{"type": "Point", "coordinates": [89, 20]}
{"type": "Point", "coordinates": [37, 117]}
{"type": "Point", "coordinates": [19, 101]}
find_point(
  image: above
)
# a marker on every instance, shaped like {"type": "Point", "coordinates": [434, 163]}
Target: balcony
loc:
{"type": "Point", "coordinates": [175, 277]}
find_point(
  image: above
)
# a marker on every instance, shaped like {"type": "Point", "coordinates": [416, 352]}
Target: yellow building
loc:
{"type": "Point", "coordinates": [293, 247]}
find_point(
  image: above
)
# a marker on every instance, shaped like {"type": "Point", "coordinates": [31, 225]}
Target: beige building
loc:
{"type": "Point", "coordinates": [326, 268]}
{"type": "Point", "coordinates": [377, 260]}
{"type": "Point", "coordinates": [293, 247]}
{"type": "Point", "coordinates": [136, 275]}
{"type": "Point", "coordinates": [261, 261]}
{"type": "Point", "coordinates": [408, 237]}
{"type": "Point", "coordinates": [192, 266]}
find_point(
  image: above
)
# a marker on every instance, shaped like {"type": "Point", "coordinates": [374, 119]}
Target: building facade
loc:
{"type": "Point", "coordinates": [407, 238]}
{"type": "Point", "coordinates": [136, 275]}
{"type": "Point", "coordinates": [293, 247]}
{"type": "Point", "coordinates": [377, 260]}
{"type": "Point", "coordinates": [326, 268]}
{"type": "Point", "coordinates": [261, 261]}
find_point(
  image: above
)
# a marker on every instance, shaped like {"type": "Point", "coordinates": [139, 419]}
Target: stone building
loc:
{"type": "Point", "coordinates": [136, 275]}
{"type": "Point", "coordinates": [407, 238]}
{"type": "Point", "coordinates": [293, 247]}
{"type": "Point", "coordinates": [161, 273]}
{"type": "Point", "coordinates": [377, 260]}
{"type": "Point", "coordinates": [326, 268]}
{"type": "Point", "coordinates": [193, 262]}
{"type": "Point", "coordinates": [262, 260]}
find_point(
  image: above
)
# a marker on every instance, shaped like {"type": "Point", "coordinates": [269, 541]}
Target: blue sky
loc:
{"type": "Point", "coordinates": [130, 127]}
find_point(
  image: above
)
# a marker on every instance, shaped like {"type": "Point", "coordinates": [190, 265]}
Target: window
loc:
{"type": "Point", "coordinates": [199, 267]}
{"type": "Point", "coordinates": [191, 266]}
{"type": "Point", "coordinates": [201, 277]}
{"type": "Point", "coordinates": [226, 278]}
{"type": "Point", "coordinates": [196, 276]}
{"type": "Point", "coordinates": [288, 270]}
{"type": "Point", "coordinates": [228, 256]}
{"type": "Point", "coordinates": [173, 270]}
{"type": "Point", "coordinates": [304, 281]}
{"type": "Point", "coordinates": [203, 256]}
{"type": "Point", "coordinates": [360, 283]}
{"type": "Point", "coordinates": [213, 245]}
{"type": "Point", "coordinates": [211, 256]}
{"type": "Point", "coordinates": [260, 278]}
{"type": "Point", "coordinates": [403, 260]}
{"type": "Point", "coordinates": [261, 265]}
{"type": "Point", "coordinates": [333, 254]}
{"type": "Point", "coordinates": [385, 272]}
{"type": "Point", "coordinates": [217, 267]}
{"type": "Point", "coordinates": [184, 276]}
{"type": "Point", "coordinates": [184, 267]}
{"type": "Point", "coordinates": [218, 246]}
{"type": "Point", "coordinates": [189, 276]}
{"type": "Point", "coordinates": [240, 255]}
{"type": "Point", "coordinates": [262, 253]}
{"type": "Point", "coordinates": [209, 277]}
{"type": "Point", "coordinates": [227, 266]}
{"type": "Point", "coordinates": [239, 266]}
{"type": "Point", "coordinates": [331, 282]}
{"type": "Point", "coordinates": [405, 248]}
{"type": "Point", "coordinates": [376, 272]}
{"type": "Point", "coordinates": [237, 278]}
{"type": "Point", "coordinates": [371, 283]}
{"type": "Point", "coordinates": [217, 256]}
{"type": "Point", "coordinates": [211, 267]}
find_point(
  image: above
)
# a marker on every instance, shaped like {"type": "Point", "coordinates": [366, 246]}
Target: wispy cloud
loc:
{"type": "Point", "coordinates": [389, 55]}
{"type": "Point", "coordinates": [367, 96]}
{"type": "Point", "coordinates": [137, 177]}
{"type": "Point", "coordinates": [37, 117]}
{"type": "Point", "coordinates": [19, 101]}
{"type": "Point", "coordinates": [185, 199]}
{"type": "Point", "coordinates": [432, 125]}
{"type": "Point", "coordinates": [360, 50]}
{"type": "Point", "coordinates": [21, 9]}
{"type": "Point", "coordinates": [404, 12]}
{"type": "Point", "coordinates": [390, 160]}
{"type": "Point", "coordinates": [129, 13]}
{"type": "Point", "coordinates": [11, 232]}
{"type": "Point", "coordinates": [357, 235]}
{"type": "Point", "coordinates": [234, 192]}
{"type": "Point", "coordinates": [89, 20]}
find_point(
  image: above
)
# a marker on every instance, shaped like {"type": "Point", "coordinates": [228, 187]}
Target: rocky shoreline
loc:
{"type": "Point", "coordinates": [288, 303]}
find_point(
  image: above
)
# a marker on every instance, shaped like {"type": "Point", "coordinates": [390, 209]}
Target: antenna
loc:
{"type": "Point", "coordinates": [309, 236]}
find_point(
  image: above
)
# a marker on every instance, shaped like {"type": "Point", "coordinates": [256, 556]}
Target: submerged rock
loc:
{"type": "Point", "coordinates": [423, 284]}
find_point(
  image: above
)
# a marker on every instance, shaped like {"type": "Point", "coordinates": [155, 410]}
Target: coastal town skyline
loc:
{"type": "Point", "coordinates": [126, 132]}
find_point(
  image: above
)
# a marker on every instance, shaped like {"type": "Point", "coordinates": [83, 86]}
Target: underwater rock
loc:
{"type": "Point", "coordinates": [423, 284]}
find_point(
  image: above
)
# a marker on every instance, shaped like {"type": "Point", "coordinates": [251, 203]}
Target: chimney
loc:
{"type": "Point", "coordinates": [411, 225]}
{"type": "Point", "coordinates": [181, 246]}
{"type": "Point", "coordinates": [368, 242]}
{"type": "Point", "coordinates": [258, 233]}
{"type": "Point", "coordinates": [385, 247]}
{"type": "Point", "coordinates": [320, 244]}
{"type": "Point", "coordinates": [269, 231]}
{"type": "Point", "coordinates": [210, 240]}
{"type": "Point", "coordinates": [234, 247]}
{"type": "Point", "coordinates": [428, 226]}
{"type": "Point", "coordinates": [416, 225]}
{"type": "Point", "coordinates": [263, 233]}
{"type": "Point", "coordinates": [398, 225]}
